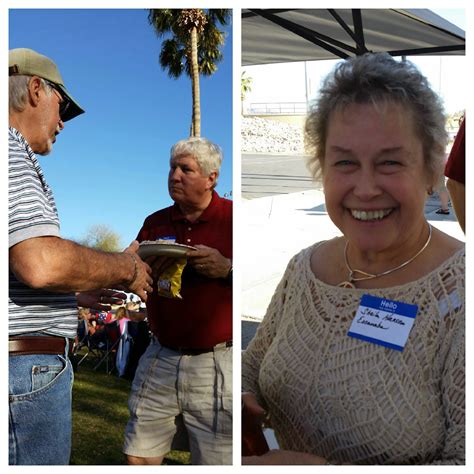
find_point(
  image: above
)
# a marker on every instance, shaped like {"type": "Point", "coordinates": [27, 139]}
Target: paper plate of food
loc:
{"type": "Point", "coordinates": [162, 248]}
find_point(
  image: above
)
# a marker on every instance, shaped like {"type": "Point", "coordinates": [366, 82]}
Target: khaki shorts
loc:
{"type": "Point", "coordinates": [172, 392]}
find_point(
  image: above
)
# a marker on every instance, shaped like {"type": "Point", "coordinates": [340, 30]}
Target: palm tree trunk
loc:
{"type": "Point", "coordinates": [195, 80]}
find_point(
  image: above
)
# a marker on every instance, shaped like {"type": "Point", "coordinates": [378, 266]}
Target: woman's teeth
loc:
{"type": "Point", "coordinates": [370, 215]}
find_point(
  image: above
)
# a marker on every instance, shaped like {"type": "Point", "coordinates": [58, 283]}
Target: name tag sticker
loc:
{"type": "Point", "coordinates": [170, 238]}
{"type": "Point", "coordinates": [384, 322]}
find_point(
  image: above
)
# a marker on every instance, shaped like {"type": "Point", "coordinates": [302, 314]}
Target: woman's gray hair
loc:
{"type": "Point", "coordinates": [207, 154]}
{"type": "Point", "coordinates": [377, 78]}
{"type": "Point", "coordinates": [18, 91]}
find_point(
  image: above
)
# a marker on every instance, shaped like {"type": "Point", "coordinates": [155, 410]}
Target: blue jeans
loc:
{"type": "Point", "coordinates": [40, 413]}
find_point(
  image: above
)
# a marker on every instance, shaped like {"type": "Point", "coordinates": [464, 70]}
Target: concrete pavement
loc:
{"type": "Point", "coordinates": [277, 227]}
{"type": "Point", "coordinates": [272, 174]}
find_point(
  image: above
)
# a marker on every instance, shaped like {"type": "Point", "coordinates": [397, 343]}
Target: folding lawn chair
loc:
{"type": "Point", "coordinates": [109, 348]}
{"type": "Point", "coordinates": [82, 341]}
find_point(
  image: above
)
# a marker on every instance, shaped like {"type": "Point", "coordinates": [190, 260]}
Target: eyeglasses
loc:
{"type": "Point", "coordinates": [65, 102]}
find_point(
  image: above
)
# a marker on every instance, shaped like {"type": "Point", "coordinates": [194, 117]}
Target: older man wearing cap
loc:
{"type": "Point", "coordinates": [45, 270]}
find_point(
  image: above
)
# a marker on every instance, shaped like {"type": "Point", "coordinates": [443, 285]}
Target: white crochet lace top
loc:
{"type": "Point", "coordinates": [353, 401]}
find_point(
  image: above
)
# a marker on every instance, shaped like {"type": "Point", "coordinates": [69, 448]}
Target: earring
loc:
{"type": "Point", "coordinates": [430, 191]}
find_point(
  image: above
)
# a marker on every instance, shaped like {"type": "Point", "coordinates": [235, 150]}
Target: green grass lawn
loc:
{"type": "Point", "coordinates": [100, 414]}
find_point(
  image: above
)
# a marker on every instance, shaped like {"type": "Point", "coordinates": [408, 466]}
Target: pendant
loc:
{"type": "Point", "coordinates": [346, 284]}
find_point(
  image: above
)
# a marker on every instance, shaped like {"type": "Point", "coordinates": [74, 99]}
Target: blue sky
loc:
{"type": "Point", "coordinates": [109, 165]}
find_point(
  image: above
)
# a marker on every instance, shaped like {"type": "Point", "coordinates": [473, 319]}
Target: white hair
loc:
{"type": "Point", "coordinates": [208, 155]}
{"type": "Point", "coordinates": [18, 91]}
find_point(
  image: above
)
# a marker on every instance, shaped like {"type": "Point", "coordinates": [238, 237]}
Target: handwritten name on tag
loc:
{"type": "Point", "coordinates": [384, 322]}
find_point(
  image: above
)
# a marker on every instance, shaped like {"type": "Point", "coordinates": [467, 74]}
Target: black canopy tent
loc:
{"type": "Point", "coordinates": [287, 35]}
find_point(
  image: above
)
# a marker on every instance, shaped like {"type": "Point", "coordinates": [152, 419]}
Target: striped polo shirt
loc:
{"type": "Point", "coordinates": [32, 213]}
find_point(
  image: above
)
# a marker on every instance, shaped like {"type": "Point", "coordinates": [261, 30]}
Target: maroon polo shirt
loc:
{"type": "Point", "coordinates": [455, 167]}
{"type": "Point", "coordinates": [203, 318]}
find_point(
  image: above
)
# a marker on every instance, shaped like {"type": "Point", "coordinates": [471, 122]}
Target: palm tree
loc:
{"type": "Point", "coordinates": [245, 86]}
{"type": "Point", "coordinates": [193, 48]}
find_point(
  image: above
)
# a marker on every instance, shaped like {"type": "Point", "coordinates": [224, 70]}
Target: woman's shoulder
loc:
{"type": "Point", "coordinates": [323, 248]}
{"type": "Point", "coordinates": [302, 266]}
{"type": "Point", "coordinates": [446, 250]}
{"type": "Point", "coordinates": [443, 266]}
{"type": "Point", "coordinates": [326, 259]}
{"type": "Point", "coordinates": [326, 248]}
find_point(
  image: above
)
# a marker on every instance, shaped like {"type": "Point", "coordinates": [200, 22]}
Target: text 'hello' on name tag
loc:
{"type": "Point", "coordinates": [384, 322]}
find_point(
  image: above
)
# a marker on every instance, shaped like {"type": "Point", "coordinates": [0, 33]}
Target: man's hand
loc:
{"type": "Point", "coordinates": [209, 262]}
{"type": "Point", "coordinates": [253, 440]}
{"type": "Point", "coordinates": [142, 283]}
{"type": "Point", "coordinates": [100, 299]}
{"type": "Point", "coordinates": [159, 265]}
{"type": "Point", "coordinates": [252, 406]}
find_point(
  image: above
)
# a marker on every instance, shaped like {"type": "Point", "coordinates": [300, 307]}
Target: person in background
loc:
{"type": "Point", "coordinates": [49, 277]}
{"type": "Point", "coordinates": [121, 316]}
{"type": "Point", "coordinates": [455, 171]}
{"type": "Point", "coordinates": [85, 314]}
{"type": "Point", "coordinates": [184, 379]}
{"type": "Point", "coordinates": [443, 196]}
{"type": "Point", "coordinates": [360, 358]}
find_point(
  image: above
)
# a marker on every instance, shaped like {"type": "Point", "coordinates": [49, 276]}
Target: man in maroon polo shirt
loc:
{"type": "Point", "coordinates": [455, 171]}
{"type": "Point", "coordinates": [184, 380]}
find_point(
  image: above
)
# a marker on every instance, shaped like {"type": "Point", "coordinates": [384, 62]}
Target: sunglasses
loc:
{"type": "Point", "coordinates": [65, 102]}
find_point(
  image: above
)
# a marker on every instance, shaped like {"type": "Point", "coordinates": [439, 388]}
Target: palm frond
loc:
{"type": "Point", "coordinates": [162, 20]}
{"type": "Point", "coordinates": [172, 58]}
{"type": "Point", "coordinates": [219, 15]}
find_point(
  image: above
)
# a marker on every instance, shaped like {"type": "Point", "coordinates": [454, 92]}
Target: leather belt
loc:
{"type": "Point", "coordinates": [190, 351]}
{"type": "Point", "coordinates": [26, 345]}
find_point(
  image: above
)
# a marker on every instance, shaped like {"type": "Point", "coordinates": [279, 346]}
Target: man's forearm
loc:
{"type": "Point", "coordinates": [61, 265]}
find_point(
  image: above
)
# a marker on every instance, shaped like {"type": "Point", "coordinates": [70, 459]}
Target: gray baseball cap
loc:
{"type": "Point", "coordinates": [24, 61]}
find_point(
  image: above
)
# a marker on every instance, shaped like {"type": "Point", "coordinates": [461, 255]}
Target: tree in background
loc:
{"type": "Point", "coordinates": [102, 237]}
{"type": "Point", "coordinates": [245, 87]}
{"type": "Point", "coordinates": [194, 46]}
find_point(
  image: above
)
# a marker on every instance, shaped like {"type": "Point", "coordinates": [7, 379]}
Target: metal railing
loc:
{"type": "Point", "coordinates": [277, 108]}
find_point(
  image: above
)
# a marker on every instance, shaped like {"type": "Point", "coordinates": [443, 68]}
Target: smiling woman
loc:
{"type": "Point", "coordinates": [337, 385]}
{"type": "Point", "coordinates": [376, 136]}
{"type": "Point", "coordinates": [375, 183]}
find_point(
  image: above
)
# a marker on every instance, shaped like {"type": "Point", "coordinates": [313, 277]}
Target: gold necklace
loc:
{"type": "Point", "coordinates": [349, 283]}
